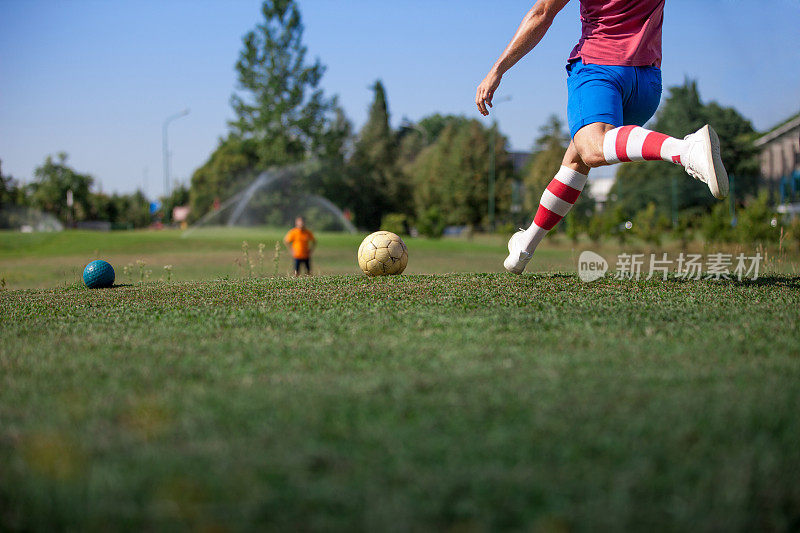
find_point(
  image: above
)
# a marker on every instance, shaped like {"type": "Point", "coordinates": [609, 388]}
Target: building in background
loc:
{"type": "Point", "coordinates": [780, 159]}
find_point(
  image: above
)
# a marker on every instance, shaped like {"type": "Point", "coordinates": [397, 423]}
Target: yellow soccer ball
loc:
{"type": "Point", "coordinates": [382, 254]}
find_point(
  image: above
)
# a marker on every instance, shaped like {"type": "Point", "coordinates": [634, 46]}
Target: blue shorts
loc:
{"type": "Point", "coordinates": [620, 96]}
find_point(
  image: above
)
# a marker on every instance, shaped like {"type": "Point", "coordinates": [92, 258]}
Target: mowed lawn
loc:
{"type": "Point", "coordinates": [464, 402]}
{"type": "Point", "coordinates": [57, 259]}
{"type": "Point", "coordinates": [47, 260]}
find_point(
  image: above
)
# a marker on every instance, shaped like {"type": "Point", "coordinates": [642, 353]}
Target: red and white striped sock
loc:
{"type": "Point", "coordinates": [557, 200]}
{"type": "Point", "coordinates": [632, 143]}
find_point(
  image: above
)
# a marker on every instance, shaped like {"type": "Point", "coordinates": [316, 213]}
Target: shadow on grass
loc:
{"type": "Point", "coordinates": [776, 280]}
{"type": "Point", "coordinates": [792, 282]}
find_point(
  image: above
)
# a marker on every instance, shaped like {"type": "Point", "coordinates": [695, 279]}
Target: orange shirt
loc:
{"type": "Point", "coordinates": [299, 239]}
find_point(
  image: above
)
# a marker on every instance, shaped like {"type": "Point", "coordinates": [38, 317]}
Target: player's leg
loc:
{"type": "Point", "coordinates": [557, 199]}
{"type": "Point", "coordinates": [296, 267]}
{"type": "Point", "coordinates": [308, 266]}
{"type": "Point", "coordinates": [594, 97]}
{"type": "Point", "coordinates": [604, 144]}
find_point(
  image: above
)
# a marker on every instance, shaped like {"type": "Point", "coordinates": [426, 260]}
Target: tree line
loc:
{"type": "Point", "coordinates": [55, 183]}
{"type": "Point", "coordinates": [428, 174]}
{"type": "Point", "coordinates": [434, 172]}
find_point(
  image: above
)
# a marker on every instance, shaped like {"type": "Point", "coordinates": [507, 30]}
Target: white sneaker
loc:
{"type": "Point", "coordinates": [703, 161]}
{"type": "Point", "coordinates": [518, 256]}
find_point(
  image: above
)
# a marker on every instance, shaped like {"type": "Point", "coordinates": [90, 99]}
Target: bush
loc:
{"type": "Point", "coordinates": [754, 222]}
{"type": "Point", "coordinates": [431, 223]}
{"type": "Point", "coordinates": [716, 225]}
{"type": "Point", "coordinates": [596, 228]}
{"type": "Point", "coordinates": [614, 221]}
{"type": "Point", "coordinates": [793, 233]}
{"type": "Point", "coordinates": [573, 228]}
{"type": "Point", "coordinates": [649, 226]}
{"type": "Point", "coordinates": [507, 228]}
{"type": "Point", "coordinates": [396, 223]}
{"type": "Point", "coordinates": [684, 232]}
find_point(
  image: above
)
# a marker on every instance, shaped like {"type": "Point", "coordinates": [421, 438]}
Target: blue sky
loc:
{"type": "Point", "coordinates": [96, 78]}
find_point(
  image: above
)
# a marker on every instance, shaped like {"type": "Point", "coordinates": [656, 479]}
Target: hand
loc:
{"type": "Point", "coordinates": [485, 92]}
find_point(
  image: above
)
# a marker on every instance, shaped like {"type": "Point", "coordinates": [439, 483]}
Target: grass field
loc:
{"type": "Point", "coordinates": [459, 401]}
{"type": "Point", "coordinates": [47, 260]}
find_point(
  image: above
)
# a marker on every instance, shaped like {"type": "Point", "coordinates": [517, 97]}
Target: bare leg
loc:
{"type": "Point", "coordinates": [588, 144]}
{"type": "Point", "coordinates": [572, 160]}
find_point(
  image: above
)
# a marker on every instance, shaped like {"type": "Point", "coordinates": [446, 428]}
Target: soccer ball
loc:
{"type": "Point", "coordinates": [382, 253]}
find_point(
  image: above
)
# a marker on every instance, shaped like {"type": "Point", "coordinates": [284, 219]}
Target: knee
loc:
{"type": "Point", "coordinates": [589, 144]}
{"type": "Point", "coordinates": [591, 154]}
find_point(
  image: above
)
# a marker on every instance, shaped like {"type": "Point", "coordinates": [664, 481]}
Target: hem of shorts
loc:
{"type": "Point", "coordinates": [591, 119]}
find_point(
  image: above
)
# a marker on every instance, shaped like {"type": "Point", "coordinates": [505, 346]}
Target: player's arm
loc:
{"type": "Point", "coordinates": [530, 32]}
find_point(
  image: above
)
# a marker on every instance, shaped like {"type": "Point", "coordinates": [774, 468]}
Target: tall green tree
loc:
{"type": "Point", "coordinates": [378, 185]}
{"type": "Point", "coordinates": [280, 103]}
{"type": "Point", "coordinates": [414, 138]}
{"type": "Point", "coordinates": [451, 175]}
{"type": "Point", "coordinates": [376, 146]}
{"type": "Point", "coordinates": [282, 114]}
{"type": "Point", "coordinates": [53, 179]}
{"type": "Point", "coordinates": [667, 185]}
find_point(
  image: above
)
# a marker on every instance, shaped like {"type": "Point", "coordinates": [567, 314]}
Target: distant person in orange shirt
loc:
{"type": "Point", "coordinates": [301, 243]}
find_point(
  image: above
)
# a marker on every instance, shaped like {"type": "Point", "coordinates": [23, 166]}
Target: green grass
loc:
{"type": "Point", "coordinates": [463, 401]}
{"type": "Point", "coordinates": [57, 259]}
{"type": "Point", "coordinates": [48, 260]}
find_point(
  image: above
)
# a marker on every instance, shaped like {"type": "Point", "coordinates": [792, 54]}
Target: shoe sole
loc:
{"type": "Point", "coordinates": [718, 183]}
{"type": "Point", "coordinates": [511, 269]}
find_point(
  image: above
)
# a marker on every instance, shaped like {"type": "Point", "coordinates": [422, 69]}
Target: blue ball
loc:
{"type": "Point", "coordinates": [98, 274]}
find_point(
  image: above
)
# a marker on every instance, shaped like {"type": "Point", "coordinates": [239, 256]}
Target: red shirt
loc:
{"type": "Point", "coordinates": [620, 32]}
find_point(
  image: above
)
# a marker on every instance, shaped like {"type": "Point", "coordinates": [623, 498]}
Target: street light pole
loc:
{"type": "Point", "coordinates": [493, 134]}
{"type": "Point", "coordinates": [732, 193]}
{"type": "Point", "coordinates": [165, 147]}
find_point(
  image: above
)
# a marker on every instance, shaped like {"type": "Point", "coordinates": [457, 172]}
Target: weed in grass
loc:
{"type": "Point", "coordinates": [261, 247]}
{"type": "Point", "coordinates": [276, 259]}
{"type": "Point", "coordinates": [168, 270]}
{"type": "Point", "coordinates": [247, 262]}
{"type": "Point", "coordinates": [143, 272]}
